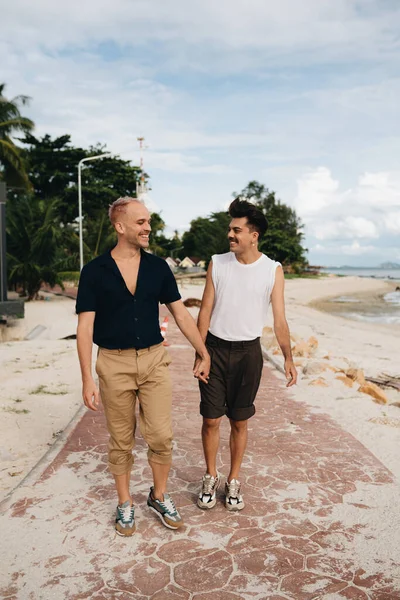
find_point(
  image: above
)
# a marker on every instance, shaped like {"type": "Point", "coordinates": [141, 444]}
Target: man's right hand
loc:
{"type": "Point", "coordinates": [91, 394]}
{"type": "Point", "coordinates": [201, 368]}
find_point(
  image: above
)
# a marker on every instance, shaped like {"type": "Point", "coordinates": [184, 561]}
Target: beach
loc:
{"type": "Point", "coordinates": [41, 389]}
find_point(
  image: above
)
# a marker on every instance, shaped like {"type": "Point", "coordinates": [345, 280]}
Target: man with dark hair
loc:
{"type": "Point", "coordinates": [118, 307]}
{"type": "Point", "coordinates": [239, 288]}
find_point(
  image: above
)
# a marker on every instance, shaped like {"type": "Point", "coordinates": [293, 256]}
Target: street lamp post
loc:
{"type": "Point", "coordinates": [80, 217]}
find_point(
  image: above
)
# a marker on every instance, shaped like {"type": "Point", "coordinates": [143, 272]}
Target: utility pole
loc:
{"type": "Point", "coordinates": [80, 215]}
{"type": "Point", "coordinates": [141, 187]}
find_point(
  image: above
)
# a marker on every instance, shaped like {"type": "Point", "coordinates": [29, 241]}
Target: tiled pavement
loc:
{"type": "Point", "coordinates": [316, 522]}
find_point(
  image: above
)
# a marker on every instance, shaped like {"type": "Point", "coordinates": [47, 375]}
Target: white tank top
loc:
{"type": "Point", "coordinates": [242, 296]}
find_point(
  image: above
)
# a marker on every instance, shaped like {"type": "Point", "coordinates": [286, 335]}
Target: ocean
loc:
{"type": "Point", "coordinates": [364, 272]}
{"type": "Point", "coordinates": [384, 309]}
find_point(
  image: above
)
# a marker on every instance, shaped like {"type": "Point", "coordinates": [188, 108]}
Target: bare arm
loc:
{"type": "Point", "coordinates": [187, 325]}
{"type": "Point", "coordinates": [207, 303]}
{"type": "Point", "coordinates": [84, 338]}
{"type": "Point", "coordinates": [281, 327]}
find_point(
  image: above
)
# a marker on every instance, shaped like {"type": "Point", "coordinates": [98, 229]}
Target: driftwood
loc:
{"type": "Point", "coordinates": [385, 381]}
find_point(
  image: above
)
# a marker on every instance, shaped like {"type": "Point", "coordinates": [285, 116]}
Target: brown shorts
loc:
{"type": "Point", "coordinates": [125, 375]}
{"type": "Point", "coordinates": [235, 376]}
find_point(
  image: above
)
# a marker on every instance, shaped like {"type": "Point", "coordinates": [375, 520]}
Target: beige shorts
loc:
{"type": "Point", "coordinates": [125, 375]}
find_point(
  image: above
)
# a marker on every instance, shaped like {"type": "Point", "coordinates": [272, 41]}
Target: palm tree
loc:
{"type": "Point", "coordinates": [12, 168]}
{"type": "Point", "coordinates": [35, 243]}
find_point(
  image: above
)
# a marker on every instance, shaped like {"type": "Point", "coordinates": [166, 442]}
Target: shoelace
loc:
{"type": "Point", "coordinates": [126, 513]}
{"type": "Point", "coordinates": [208, 484]}
{"type": "Point", "coordinates": [234, 488]}
{"type": "Point", "coordinates": [169, 505]}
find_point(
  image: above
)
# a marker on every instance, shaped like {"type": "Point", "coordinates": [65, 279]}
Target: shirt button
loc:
{"type": "Point", "coordinates": [137, 337]}
{"type": "Point", "coordinates": [136, 319]}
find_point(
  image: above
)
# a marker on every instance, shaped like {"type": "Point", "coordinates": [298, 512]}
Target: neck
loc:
{"type": "Point", "coordinates": [249, 256]}
{"type": "Point", "coordinates": [125, 252]}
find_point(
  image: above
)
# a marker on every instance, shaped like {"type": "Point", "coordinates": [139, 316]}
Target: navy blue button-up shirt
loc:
{"type": "Point", "coordinates": [124, 320]}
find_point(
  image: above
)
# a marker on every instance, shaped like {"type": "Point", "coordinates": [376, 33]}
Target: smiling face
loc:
{"type": "Point", "coordinates": [241, 237]}
{"type": "Point", "coordinates": [134, 225]}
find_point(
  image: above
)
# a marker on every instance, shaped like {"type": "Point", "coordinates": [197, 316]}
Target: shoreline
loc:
{"type": "Point", "coordinates": [362, 305]}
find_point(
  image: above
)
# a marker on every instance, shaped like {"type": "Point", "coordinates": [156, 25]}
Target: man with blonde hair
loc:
{"type": "Point", "coordinates": [118, 307]}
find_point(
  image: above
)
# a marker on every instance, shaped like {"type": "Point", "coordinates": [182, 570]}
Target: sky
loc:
{"type": "Point", "coordinates": [301, 96]}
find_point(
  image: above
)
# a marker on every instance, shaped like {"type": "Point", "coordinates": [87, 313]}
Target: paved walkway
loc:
{"type": "Point", "coordinates": [319, 522]}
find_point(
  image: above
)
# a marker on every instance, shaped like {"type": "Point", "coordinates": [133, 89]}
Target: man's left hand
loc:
{"type": "Point", "coordinates": [291, 373]}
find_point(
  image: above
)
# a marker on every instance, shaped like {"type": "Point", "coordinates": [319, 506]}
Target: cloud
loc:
{"type": "Point", "coordinates": [221, 29]}
{"type": "Point", "coordinates": [330, 213]}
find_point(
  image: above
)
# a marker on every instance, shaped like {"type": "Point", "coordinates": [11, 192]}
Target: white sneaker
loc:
{"type": "Point", "coordinates": [233, 497]}
{"type": "Point", "coordinates": [208, 495]}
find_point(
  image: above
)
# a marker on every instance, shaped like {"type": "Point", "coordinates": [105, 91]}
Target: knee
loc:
{"type": "Point", "coordinates": [238, 426]}
{"type": "Point", "coordinates": [211, 424]}
{"type": "Point", "coordinates": [160, 442]}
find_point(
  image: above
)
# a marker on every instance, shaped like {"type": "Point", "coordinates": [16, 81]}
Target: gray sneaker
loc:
{"type": "Point", "coordinates": [125, 519]}
{"type": "Point", "coordinates": [233, 497]}
{"type": "Point", "coordinates": [208, 495]}
{"type": "Point", "coordinates": [166, 510]}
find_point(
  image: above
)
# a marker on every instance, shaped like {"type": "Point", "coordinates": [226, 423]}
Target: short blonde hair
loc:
{"type": "Point", "coordinates": [119, 207]}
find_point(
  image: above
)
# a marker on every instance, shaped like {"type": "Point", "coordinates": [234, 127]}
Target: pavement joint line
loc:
{"type": "Point", "coordinates": [45, 461]}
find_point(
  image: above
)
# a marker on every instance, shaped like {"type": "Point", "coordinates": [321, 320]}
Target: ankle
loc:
{"type": "Point", "coordinates": [122, 501]}
{"type": "Point", "coordinates": [156, 495]}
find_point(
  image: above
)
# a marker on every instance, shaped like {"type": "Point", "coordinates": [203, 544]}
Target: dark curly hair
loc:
{"type": "Point", "coordinates": [256, 220]}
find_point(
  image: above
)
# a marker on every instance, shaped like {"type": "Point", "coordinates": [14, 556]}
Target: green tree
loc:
{"type": "Point", "coordinates": [159, 243]}
{"type": "Point", "coordinates": [53, 170]}
{"type": "Point", "coordinates": [206, 236]}
{"type": "Point", "coordinates": [12, 167]}
{"type": "Point", "coordinates": [36, 244]}
{"type": "Point", "coordinates": [284, 238]}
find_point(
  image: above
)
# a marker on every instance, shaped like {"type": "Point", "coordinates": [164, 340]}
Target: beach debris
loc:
{"type": "Point", "coordinates": [334, 369]}
{"type": "Point", "coordinates": [356, 375]}
{"type": "Point", "coordinates": [391, 421]}
{"type": "Point", "coordinates": [346, 380]}
{"type": "Point", "coordinates": [385, 380]}
{"type": "Point", "coordinates": [305, 348]}
{"type": "Point", "coordinates": [277, 351]}
{"type": "Point", "coordinates": [314, 367]}
{"type": "Point", "coordinates": [189, 302]}
{"type": "Point", "coordinates": [36, 331]}
{"type": "Point", "coordinates": [299, 363]}
{"type": "Point", "coordinates": [300, 349]}
{"type": "Point", "coordinates": [374, 391]}
{"type": "Point", "coordinates": [270, 342]}
{"type": "Point", "coordinates": [313, 344]}
{"type": "Point", "coordinates": [319, 382]}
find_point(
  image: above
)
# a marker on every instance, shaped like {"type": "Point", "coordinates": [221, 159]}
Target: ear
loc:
{"type": "Point", "coordinates": [119, 227]}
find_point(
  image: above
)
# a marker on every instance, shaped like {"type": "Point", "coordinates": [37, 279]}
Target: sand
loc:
{"type": "Point", "coordinates": [41, 388]}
